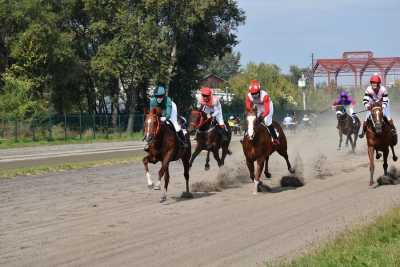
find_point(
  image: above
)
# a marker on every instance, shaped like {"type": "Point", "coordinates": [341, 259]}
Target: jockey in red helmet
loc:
{"type": "Point", "coordinates": [265, 107]}
{"type": "Point", "coordinates": [375, 93]}
{"type": "Point", "coordinates": [212, 107]}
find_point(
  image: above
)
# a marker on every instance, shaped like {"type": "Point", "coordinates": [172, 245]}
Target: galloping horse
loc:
{"type": "Point", "coordinates": [208, 138]}
{"type": "Point", "coordinates": [379, 138]}
{"type": "Point", "coordinates": [347, 127]}
{"type": "Point", "coordinates": [257, 146]}
{"type": "Point", "coordinates": [164, 147]}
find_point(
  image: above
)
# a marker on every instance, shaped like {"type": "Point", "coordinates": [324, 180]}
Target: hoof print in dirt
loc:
{"type": "Point", "coordinates": [186, 195]}
{"type": "Point", "coordinates": [291, 181]}
{"type": "Point", "coordinates": [263, 188]}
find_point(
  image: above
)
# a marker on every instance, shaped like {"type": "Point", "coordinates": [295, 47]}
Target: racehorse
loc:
{"type": "Point", "coordinates": [379, 138]}
{"type": "Point", "coordinates": [347, 127]}
{"type": "Point", "coordinates": [164, 147]}
{"type": "Point", "coordinates": [257, 146]}
{"type": "Point", "coordinates": [208, 138]}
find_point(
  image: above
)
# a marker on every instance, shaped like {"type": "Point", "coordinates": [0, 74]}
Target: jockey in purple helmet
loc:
{"type": "Point", "coordinates": [345, 100]}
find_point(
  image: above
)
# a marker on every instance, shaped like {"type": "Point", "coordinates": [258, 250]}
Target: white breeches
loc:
{"type": "Point", "coordinates": [268, 119]}
{"type": "Point", "coordinates": [174, 118]}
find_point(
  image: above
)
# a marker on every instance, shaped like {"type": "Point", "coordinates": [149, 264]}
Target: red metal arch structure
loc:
{"type": "Point", "coordinates": [356, 64]}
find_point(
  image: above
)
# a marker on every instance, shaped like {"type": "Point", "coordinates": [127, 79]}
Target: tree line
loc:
{"type": "Point", "coordinates": [66, 56]}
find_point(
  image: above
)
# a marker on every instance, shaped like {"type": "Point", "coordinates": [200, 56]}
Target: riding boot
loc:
{"type": "Point", "coordinates": [182, 139]}
{"type": "Point", "coordinates": [364, 129]}
{"type": "Point", "coordinates": [274, 136]}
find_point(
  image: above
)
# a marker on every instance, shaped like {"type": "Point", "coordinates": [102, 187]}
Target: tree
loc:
{"type": "Point", "coordinates": [224, 67]}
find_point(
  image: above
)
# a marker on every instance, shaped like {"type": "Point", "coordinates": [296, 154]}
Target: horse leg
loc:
{"type": "Point", "coordinates": [257, 180]}
{"type": "Point", "coordinates": [195, 154]}
{"type": "Point", "coordinates": [216, 156]}
{"type": "Point", "coordinates": [351, 142]}
{"type": "Point", "coordinates": [394, 155]}
{"type": "Point", "coordinates": [347, 141]}
{"type": "Point", "coordinates": [266, 171]}
{"type": "Point", "coordinates": [340, 140]}
{"type": "Point", "coordinates": [250, 166]}
{"type": "Point", "coordinates": [355, 141]}
{"type": "Point", "coordinates": [166, 182]}
{"type": "Point", "coordinates": [225, 150]}
{"type": "Point", "coordinates": [385, 164]}
{"type": "Point", "coordinates": [207, 166]}
{"type": "Point", "coordinates": [186, 168]}
{"type": "Point", "coordinates": [371, 164]}
{"type": "Point", "coordinates": [146, 168]}
{"type": "Point", "coordinates": [163, 170]}
{"type": "Point", "coordinates": [285, 155]}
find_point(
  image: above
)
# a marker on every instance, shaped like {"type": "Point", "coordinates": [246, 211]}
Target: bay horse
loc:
{"type": "Point", "coordinates": [208, 138]}
{"type": "Point", "coordinates": [347, 127]}
{"type": "Point", "coordinates": [379, 138]}
{"type": "Point", "coordinates": [257, 146]}
{"type": "Point", "coordinates": [164, 147]}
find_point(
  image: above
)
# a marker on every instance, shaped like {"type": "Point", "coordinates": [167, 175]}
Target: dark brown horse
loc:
{"type": "Point", "coordinates": [379, 138]}
{"type": "Point", "coordinates": [257, 146]}
{"type": "Point", "coordinates": [208, 138]}
{"type": "Point", "coordinates": [164, 147]}
{"type": "Point", "coordinates": [347, 127]}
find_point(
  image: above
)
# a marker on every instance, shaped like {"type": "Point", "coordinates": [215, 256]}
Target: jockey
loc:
{"type": "Point", "coordinates": [169, 112]}
{"type": "Point", "coordinates": [265, 107]}
{"type": "Point", "coordinates": [345, 100]}
{"type": "Point", "coordinates": [211, 105]}
{"type": "Point", "coordinates": [375, 93]}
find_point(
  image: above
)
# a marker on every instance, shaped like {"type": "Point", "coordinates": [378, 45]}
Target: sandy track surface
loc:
{"type": "Point", "coordinates": [107, 217]}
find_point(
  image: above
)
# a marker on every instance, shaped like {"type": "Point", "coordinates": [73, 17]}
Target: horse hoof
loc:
{"type": "Point", "coordinates": [255, 193]}
{"type": "Point", "coordinates": [394, 158]}
{"type": "Point", "coordinates": [163, 199]}
{"type": "Point", "coordinates": [268, 175]}
{"type": "Point", "coordinates": [157, 187]}
{"type": "Point", "coordinates": [291, 170]}
{"type": "Point", "coordinates": [207, 167]}
{"type": "Point", "coordinates": [186, 195]}
{"type": "Point", "coordinates": [338, 148]}
{"type": "Point", "coordinates": [150, 186]}
{"type": "Point", "coordinates": [371, 183]}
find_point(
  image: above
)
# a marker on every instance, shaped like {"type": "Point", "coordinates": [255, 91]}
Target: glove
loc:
{"type": "Point", "coordinates": [368, 107]}
{"type": "Point", "coordinates": [353, 114]}
{"type": "Point", "coordinates": [163, 119]}
{"type": "Point", "coordinates": [208, 116]}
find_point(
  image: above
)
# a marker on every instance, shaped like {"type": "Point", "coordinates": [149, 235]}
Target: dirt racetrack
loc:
{"type": "Point", "coordinates": [107, 217]}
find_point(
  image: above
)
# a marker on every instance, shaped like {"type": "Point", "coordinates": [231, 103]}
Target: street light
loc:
{"type": "Point", "coordinates": [302, 84]}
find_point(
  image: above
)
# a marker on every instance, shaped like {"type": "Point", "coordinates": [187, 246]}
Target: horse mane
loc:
{"type": "Point", "coordinates": [156, 111]}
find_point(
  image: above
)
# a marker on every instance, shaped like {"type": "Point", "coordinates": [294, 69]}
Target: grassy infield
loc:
{"type": "Point", "coordinates": [377, 244]}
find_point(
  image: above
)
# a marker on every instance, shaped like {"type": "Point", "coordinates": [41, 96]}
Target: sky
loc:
{"type": "Point", "coordinates": [287, 32]}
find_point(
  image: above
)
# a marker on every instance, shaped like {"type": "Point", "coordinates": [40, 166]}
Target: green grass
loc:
{"type": "Point", "coordinates": [377, 244]}
{"type": "Point", "coordinates": [43, 169]}
{"type": "Point", "coordinates": [24, 142]}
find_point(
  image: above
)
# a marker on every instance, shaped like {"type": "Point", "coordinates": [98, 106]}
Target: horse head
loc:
{"type": "Point", "coordinates": [152, 124]}
{"type": "Point", "coordinates": [197, 119]}
{"type": "Point", "coordinates": [377, 116]}
{"type": "Point", "coordinates": [340, 112]}
{"type": "Point", "coordinates": [252, 122]}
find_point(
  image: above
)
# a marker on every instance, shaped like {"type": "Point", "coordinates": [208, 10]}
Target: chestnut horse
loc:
{"type": "Point", "coordinates": [208, 138]}
{"type": "Point", "coordinates": [379, 138]}
{"type": "Point", "coordinates": [164, 146]}
{"type": "Point", "coordinates": [257, 146]}
{"type": "Point", "coordinates": [347, 127]}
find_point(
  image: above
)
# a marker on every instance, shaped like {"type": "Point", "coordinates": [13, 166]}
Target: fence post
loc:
{"type": "Point", "coordinates": [33, 130]}
{"type": "Point", "coordinates": [50, 137]}
{"type": "Point", "coordinates": [106, 126]}
{"type": "Point", "coordinates": [80, 126]}
{"type": "Point", "coordinates": [65, 126]}
{"type": "Point", "coordinates": [119, 125]}
{"type": "Point", "coordinates": [94, 125]}
{"type": "Point", "coordinates": [16, 130]}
